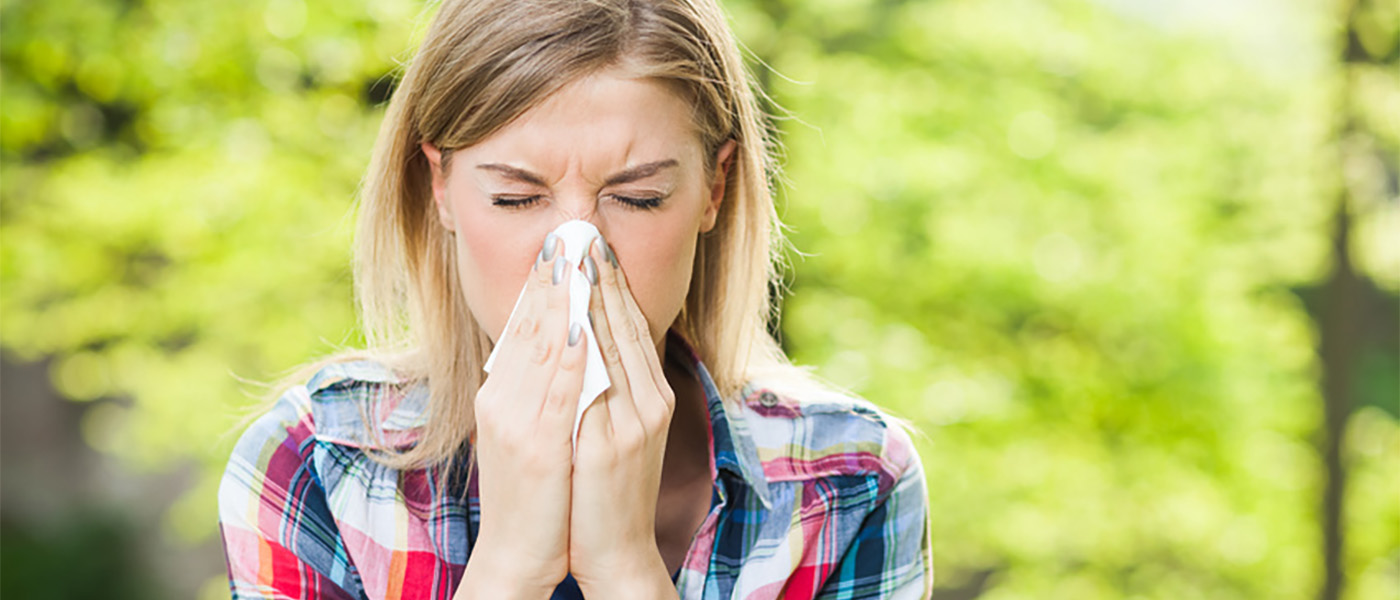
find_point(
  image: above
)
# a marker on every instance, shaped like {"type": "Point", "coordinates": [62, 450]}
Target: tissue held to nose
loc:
{"type": "Point", "coordinates": [576, 236]}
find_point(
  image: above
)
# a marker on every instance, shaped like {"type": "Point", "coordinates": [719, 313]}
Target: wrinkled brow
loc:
{"type": "Point", "coordinates": [627, 175]}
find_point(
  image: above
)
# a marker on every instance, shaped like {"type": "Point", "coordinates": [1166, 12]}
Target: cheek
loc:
{"type": "Point", "coordinates": [658, 266]}
{"type": "Point", "coordinates": [493, 263]}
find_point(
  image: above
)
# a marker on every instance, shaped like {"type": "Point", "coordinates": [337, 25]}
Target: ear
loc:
{"type": "Point", "coordinates": [439, 184]}
{"type": "Point", "coordinates": [723, 160]}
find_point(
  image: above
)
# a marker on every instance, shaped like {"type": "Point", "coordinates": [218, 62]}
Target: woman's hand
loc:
{"type": "Point", "coordinates": [621, 443]}
{"type": "Point", "coordinates": [524, 426]}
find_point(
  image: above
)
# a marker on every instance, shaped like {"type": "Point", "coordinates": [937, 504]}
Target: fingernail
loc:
{"type": "Point", "coordinates": [602, 247]}
{"type": "Point", "coordinates": [590, 270]}
{"type": "Point", "coordinates": [559, 266]}
{"type": "Point", "coordinates": [607, 250]}
{"type": "Point", "coordinates": [574, 332]}
{"type": "Point", "coordinates": [551, 243]}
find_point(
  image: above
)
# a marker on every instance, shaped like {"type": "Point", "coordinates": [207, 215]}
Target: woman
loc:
{"type": "Point", "coordinates": [710, 468]}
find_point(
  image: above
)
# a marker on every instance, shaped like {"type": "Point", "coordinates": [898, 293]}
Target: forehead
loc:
{"type": "Point", "coordinates": [598, 122]}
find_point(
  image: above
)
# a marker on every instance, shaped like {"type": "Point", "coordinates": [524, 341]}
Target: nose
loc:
{"type": "Point", "coordinates": [579, 209]}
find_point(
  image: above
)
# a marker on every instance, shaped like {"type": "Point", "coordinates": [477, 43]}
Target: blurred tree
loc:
{"type": "Point", "coordinates": [1061, 237]}
{"type": "Point", "coordinates": [1348, 299]}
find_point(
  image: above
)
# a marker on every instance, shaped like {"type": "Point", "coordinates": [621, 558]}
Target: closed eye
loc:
{"type": "Point", "coordinates": [515, 202]}
{"type": "Point", "coordinates": [639, 203]}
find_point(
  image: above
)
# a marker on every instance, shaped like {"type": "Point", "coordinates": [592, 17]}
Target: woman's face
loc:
{"type": "Point", "coordinates": [618, 152]}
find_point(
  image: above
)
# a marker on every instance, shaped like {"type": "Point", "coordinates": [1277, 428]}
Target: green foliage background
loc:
{"type": "Point", "coordinates": [1072, 241]}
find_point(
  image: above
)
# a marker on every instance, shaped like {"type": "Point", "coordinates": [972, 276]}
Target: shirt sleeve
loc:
{"type": "Point", "coordinates": [890, 557]}
{"type": "Point", "coordinates": [280, 540]}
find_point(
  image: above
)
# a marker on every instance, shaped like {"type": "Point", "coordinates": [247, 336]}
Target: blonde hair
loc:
{"type": "Point", "coordinates": [483, 64]}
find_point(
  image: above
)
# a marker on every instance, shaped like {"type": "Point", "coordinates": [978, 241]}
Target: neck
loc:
{"type": "Point", "coordinates": [687, 443]}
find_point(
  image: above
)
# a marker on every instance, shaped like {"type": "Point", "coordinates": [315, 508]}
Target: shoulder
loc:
{"type": "Point", "coordinates": [314, 435]}
{"type": "Point", "coordinates": [345, 397]}
{"type": "Point", "coordinates": [803, 430]}
{"type": "Point", "coordinates": [333, 405]}
{"type": "Point", "coordinates": [282, 496]}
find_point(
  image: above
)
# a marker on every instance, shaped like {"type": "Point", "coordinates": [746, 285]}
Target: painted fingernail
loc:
{"type": "Point", "coordinates": [574, 334]}
{"type": "Point", "coordinates": [602, 247]}
{"type": "Point", "coordinates": [590, 270]}
{"type": "Point", "coordinates": [551, 243]}
{"type": "Point", "coordinates": [607, 251]}
{"type": "Point", "coordinates": [559, 266]}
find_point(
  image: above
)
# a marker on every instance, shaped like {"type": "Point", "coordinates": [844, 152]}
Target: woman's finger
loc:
{"type": "Point", "coordinates": [621, 389]}
{"type": "Point", "coordinates": [638, 318]}
{"type": "Point", "coordinates": [521, 326]}
{"type": "Point", "coordinates": [536, 333]}
{"type": "Point", "coordinates": [634, 346]}
{"type": "Point", "coordinates": [598, 416]}
{"type": "Point", "coordinates": [567, 383]}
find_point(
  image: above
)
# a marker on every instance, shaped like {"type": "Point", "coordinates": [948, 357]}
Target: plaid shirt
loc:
{"type": "Point", "coordinates": [818, 498]}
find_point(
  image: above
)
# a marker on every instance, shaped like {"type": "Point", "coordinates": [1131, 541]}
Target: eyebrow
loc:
{"type": "Point", "coordinates": [642, 171]}
{"type": "Point", "coordinates": [627, 175]}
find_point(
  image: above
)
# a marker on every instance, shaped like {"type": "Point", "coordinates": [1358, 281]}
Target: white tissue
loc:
{"type": "Point", "coordinates": [576, 236]}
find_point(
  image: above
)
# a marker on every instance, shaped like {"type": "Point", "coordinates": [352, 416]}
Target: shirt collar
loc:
{"type": "Point", "coordinates": [732, 447]}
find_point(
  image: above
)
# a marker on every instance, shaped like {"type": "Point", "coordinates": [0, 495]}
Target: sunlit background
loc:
{"type": "Point", "coordinates": [1130, 265]}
